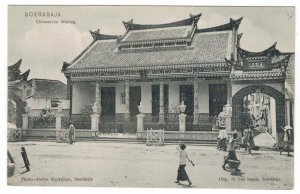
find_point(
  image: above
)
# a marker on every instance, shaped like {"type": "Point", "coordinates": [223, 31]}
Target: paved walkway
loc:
{"type": "Point", "coordinates": [137, 165]}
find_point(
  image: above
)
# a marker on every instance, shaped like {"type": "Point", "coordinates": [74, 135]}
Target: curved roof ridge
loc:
{"type": "Point", "coordinates": [229, 26]}
{"type": "Point", "coordinates": [250, 53]}
{"type": "Point", "coordinates": [98, 36]}
{"type": "Point", "coordinates": [186, 22]}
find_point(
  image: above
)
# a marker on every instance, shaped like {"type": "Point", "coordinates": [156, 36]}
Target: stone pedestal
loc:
{"type": "Point", "coordinates": [228, 122]}
{"type": "Point", "coordinates": [182, 121]}
{"type": "Point", "coordinates": [58, 120]}
{"type": "Point", "coordinates": [25, 121]}
{"type": "Point", "coordinates": [140, 123]}
{"type": "Point", "coordinates": [95, 122]}
{"type": "Point", "coordinates": [228, 116]}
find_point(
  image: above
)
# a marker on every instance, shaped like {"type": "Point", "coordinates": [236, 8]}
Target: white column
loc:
{"type": "Point", "coordinates": [97, 96]}
{"type": "Point", "coordinates": [127, 113]}
{"type": "Point", "coordinates": [58, 121]}
{"type": "Point", "coordinates": [287, 109]}
{"type": "Point", "coordinates": [182, 122]}
{"type": "Point", "coordinates": [140, 123]}
{"type": "Point", "coordinates": [161, 103]}
{"type": "Point", "coordinates": [195, 82]}
{"type": "Point", "coordinates": [25, 121]}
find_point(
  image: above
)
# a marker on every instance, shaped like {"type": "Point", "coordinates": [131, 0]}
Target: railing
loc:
{"type": "Point", "coordinates": [14, 134]}
{"type": "Point", "coordinates": [171, 122]}
{"type": "Point", "coordinates": [41, 122]}
{"type": "Point", "coordinates": [116, 124]}
{"type": "Point", "coordinates": [204, 122]}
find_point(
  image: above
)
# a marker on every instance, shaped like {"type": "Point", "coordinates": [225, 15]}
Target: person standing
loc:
{"type": "Point", "coordinates": [71, 132]}
{"type": "Point", "coordinates": [181, 173]}
{"type": "Point", "coordinates": [250, 143]}
{"type": "Point", "coordinates": [231, 151]}
{"type": "Point", "coordinates": [222, 139]}
{"type": "Point", "coordinates": [287, 138]}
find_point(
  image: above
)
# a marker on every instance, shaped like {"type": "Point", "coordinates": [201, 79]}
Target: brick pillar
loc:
{"type": "Point", "coordinates": [161, 103]}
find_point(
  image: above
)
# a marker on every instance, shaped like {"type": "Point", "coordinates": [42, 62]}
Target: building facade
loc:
{"type": "Point", "coordinates": [161, 66]}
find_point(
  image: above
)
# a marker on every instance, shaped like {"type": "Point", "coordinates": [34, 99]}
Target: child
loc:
{"type": "Point", "coordinates": [231, 151]}
{"type": "Point", "coordinates": [71, 132]}
{"type": "Point", "coordinates": [181, 173]}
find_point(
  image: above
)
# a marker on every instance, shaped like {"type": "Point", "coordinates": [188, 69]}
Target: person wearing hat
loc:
{"type": "Point", "coordinates": [232, 144]}
{"type": "Point", "coordinates": [287, 138]}
{"type": "Point", "coordinates": [71, 132]}
{"type": "Point", "coordinates": [181, 173]}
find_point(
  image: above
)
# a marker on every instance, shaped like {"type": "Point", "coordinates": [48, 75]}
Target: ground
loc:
{"type": "Point", "coordinates": [137, 165]}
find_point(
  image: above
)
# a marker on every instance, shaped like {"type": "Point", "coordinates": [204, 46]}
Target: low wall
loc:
{"type": "Point", "coordinates": [188, 135]}
{"type": "Point", "coordinates": [52, 133]}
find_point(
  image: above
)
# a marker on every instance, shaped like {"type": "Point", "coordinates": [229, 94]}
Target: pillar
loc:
{"type": "Point", "coordinates": [287, 107]}
{"type": "Point", "coordinates": [58, 121]}
{"type": "Point", "coordinates": [94, 122]}
{"type": "Point", "coordinates": [127, 113]}
{"type": "Point", "coordinates": [182, 122]}
{"type": "Point", "coordinates": [140, 123]}
{"type": "Point", "coordinates": [229, 93]}
{"type": "Point", "coordinates": [97, 96]}
{"type": "Point", "coordinates": [25, 121]}
{"type": "Point", "coordinates": [161, 103]}
{"type": "Point", "coordinates": [196, 115]}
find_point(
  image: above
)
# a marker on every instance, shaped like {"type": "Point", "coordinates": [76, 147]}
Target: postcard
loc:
{"type": "Point", "coordinates": [151, 96]}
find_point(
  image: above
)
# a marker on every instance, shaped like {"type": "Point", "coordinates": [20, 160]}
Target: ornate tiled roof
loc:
{"type": "Point", "coordinates": [45, 88]}
{"type": "Point", "coordinates": [158, 34]}
{"type": "Point", "coordinates": [206, 48]}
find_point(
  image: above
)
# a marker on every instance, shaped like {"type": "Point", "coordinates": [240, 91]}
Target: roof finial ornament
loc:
{"type": "Point", "coordinates": [130, 21]}
{"type": "Point", "coordinates": [98, 31]}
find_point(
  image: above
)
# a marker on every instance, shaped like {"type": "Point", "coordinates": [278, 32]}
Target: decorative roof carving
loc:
{"type": "Point", "coordinates": [229, 26]}
{"type": "Point", "coordinates": [271, 51]}
{"type": "Point", "coordinates": [14, 72]}
{"type": "Point", "coordinates": [186, 22]}
{"type": "Point", "coordinates": [98, 36]}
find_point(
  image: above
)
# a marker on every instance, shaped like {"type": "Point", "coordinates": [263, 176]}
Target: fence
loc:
{"type": "Point", "coordinates": [41, 122]}
{"type": "Point", "coordinates": [117, 124]}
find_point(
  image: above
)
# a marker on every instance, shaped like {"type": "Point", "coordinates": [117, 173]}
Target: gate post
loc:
{"type": "Point", "coordinates": [95, 119]}
{"type": "Point", "coordinates": [228, 116]}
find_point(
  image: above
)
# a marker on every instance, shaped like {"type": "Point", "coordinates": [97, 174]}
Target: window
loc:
{"type": "Point", "coordinates": [55, 103]}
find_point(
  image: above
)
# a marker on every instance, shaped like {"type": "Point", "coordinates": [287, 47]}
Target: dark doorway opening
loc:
{"type": "Point", "coordinates": [108, 101]}
{"type": "Point", "coordinates": [134, 100]}
{"type": "Point", "coordinates": [187, 95]}
{"type": "Point", "coordinates": [217, 98]}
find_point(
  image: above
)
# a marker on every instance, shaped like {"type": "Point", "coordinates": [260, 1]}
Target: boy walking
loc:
{"type": "Point", "coordinates": [181, 173]}
{"type": "Point", "coordinates": [231, 151]}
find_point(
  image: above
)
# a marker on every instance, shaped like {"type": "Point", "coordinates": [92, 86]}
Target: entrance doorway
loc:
{"type": "Point", "coordinates": [134, 100]}
{"type": "Point", "coordinates": [259, 110]}
{"type": "Point", "coordinates": [187, 95]}
{"type": "Point", "coordinates": [217, 98]}
{"type": "Point", "coordinates": [108, 101]}
{"type": "Point", "coordinates": [237, 105]}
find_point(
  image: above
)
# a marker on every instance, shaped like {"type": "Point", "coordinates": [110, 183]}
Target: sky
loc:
{"type": "Point", "coordinates": [44, 47]}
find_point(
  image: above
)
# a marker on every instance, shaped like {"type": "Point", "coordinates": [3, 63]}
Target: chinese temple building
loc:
{"type": "Point", "coordinates": [17, 87]}
{"type": "Point", "coordinates": [162, 65]}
